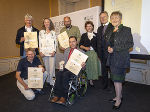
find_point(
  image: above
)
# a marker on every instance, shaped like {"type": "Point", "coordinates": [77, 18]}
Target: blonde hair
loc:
{"type": "Point", "coordinates": [28, 16]}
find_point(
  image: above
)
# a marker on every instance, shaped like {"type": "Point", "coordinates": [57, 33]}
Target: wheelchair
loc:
{"type": "Point", "coordinates": [77, 88]}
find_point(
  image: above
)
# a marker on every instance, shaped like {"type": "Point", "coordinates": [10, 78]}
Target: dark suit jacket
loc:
{"type": "Point", "coordinates": [123, 41]}
{"type": "Point", "coordinates": [85, 41]}
{"type": "Point", "coordinates": [20, 33]}
{"type": "Point", "coordinates": [102, 42]}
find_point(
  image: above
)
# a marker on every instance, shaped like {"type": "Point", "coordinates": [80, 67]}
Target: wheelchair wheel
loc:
{"type": "Point", "coordinates": [82, 88]}
{"type": "Point", "coordinates": [51, 94]}
{"type": "Point", "coordinates": [71, 99]}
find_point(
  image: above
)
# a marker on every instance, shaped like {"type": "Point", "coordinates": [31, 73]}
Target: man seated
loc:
{"type": "Point", "coordinates": [22, 73]}
{"type": "Point", "coordinates": [63, 77]}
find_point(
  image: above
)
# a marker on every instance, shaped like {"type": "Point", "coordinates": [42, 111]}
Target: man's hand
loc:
{"type": "Point", "coordinates": [26, 87]}
{"type": "Point", "coordinates": [22, 39]}
{"type": "Point", "coordinates": [83, 64]}
{"type": "Point", "coordinates": [40, 66]}
{"type": "Point", "coordinates": [110, 50]}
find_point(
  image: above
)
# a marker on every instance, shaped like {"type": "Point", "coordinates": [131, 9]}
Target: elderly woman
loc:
{"type": "Point", "coordinates": [88, 44]}
{"type": "Point", "coordinates": [48, 34]}
{"type": "Point", "coordinates": [120, 41]}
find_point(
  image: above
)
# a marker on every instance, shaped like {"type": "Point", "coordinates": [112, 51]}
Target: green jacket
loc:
{"type": "Point", "coordinates": [73, 31]}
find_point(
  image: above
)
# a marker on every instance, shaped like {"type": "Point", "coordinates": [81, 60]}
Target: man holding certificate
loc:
{"type": "Point", "coordinates": [25, 70]}
{"type": "Point", "coordinates": [20, 37]}
{"type": "Point", "coordinates": [70, 30]}
{"type": "Point", "coordinates": [63, 76]}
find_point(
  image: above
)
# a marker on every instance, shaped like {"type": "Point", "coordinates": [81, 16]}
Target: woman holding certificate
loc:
{"type": "Point", "coordinates": [47, 46]}
{"type": "Point", "coordinates": [88, 44]}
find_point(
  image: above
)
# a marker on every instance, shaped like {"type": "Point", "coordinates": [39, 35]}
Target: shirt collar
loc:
{"type": "Point", "coordinates": [106, 23]}
{"type": "Point", "coordinates": [27, 27]}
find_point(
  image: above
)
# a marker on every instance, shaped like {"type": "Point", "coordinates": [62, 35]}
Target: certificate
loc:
{"type": "Point", "coordinates": [35, 77]}
{"type": "Point", "coordinates": [75, 61]}
{"type": "Point", "coordinates": [47, 46]}
{"type": "Point", "coordinates": [30, 40]}
{"type": "Point", "coordinates": [63, 39]}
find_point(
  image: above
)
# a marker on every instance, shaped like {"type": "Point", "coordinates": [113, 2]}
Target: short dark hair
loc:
{"type": "Point", "coordinates": [73, 37]}
{"type": "Point", "coordinates": [116, 13]}
{"type": "Point", "coordinates": [51, 24]}
{"type": "Point", "coordinates": [89, 22]}
{"type": "Point", "coordinates": [103, 12]}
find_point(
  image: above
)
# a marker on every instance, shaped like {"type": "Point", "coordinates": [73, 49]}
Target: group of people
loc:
{"type": "Point", "coordinates": [107, 50]}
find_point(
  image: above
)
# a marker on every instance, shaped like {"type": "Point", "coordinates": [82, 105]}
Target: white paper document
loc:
{"type": "Point", "coordinates": [75, 61]}
{"type": "Point", "coordinates": [30, 40]}
{"type": "Point", "coordinates": [47, 46]}
{"type": "Point", "coordinates": [63, 39]}
{"type": "Point", "coordinates": [35, 77]}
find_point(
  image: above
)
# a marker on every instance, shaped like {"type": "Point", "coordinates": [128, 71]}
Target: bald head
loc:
{"type": "Point", "coordinates": [67, 21]}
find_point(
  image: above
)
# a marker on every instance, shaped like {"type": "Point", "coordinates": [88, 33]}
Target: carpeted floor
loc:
{"type": "Point", "coordinates": [136, 99]}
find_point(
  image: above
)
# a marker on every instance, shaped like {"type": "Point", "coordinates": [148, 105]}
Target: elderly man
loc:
{"type": "Point", "coordinates": [70, 29]}
{"type": "Point", "coordinates": [102, 46]}
{"type": "Point", "coordinates": [63, 77]}
{"type": "Point", "coordinates": [20, 34]}
{"type": "Point", "coordinates": [22, 73]}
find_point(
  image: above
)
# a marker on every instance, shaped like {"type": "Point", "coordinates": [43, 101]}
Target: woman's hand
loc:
{"type": "Point", "coordinates": [110, 50]}
{"type": "Point", "coordinates": [41, 54]}
{"type": "Point", "coordinates": [87, 48]}
{"type": "Point", "coordinates": [52, 54]}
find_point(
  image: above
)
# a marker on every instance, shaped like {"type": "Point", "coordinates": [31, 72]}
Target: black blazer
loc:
{"type": "Point", "coordinates": [102, 42]}
{"type": "Point", "coordinates": [85, 41]}
{"type": "Point", "coordinates": [20, 33]}
{"type": "Point", "coordinates": [123, 41]}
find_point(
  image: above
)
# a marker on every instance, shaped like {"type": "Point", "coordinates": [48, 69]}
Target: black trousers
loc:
{"type": "Point", "coordinates": [62, 83]}
{"type": "Point", "coordinates": [105, 70]}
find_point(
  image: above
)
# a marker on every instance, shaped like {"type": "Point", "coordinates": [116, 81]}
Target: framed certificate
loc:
{"type": "Point", "coordinates": [35, 77]}
{"type": "Point", "coordinates": [75, 61]}
{"type": "Point", "coordinates": [30, 40]}
{"type": "Point", "coordinates": [47, 46]}
{"type": "Point", "coordinates": [63, 39]}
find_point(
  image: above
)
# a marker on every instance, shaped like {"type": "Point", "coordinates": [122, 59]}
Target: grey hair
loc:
{"type": "Point", "coordinates": [116, 13]}
{"type": "Point", "coordinates": [30, 49]}
{"type": "Point", "coordinates": [28, 16]}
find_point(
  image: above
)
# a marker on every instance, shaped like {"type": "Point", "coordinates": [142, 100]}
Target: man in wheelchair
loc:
{"type": "Point", "coordinates": [62, 77]}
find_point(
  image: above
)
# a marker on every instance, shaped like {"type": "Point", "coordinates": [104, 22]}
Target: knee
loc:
{"type": "Point", "coordinates": [30, 97]}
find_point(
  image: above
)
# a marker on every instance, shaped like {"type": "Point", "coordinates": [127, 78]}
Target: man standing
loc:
{"type": "Point", "coordinates": [70, 29]}
{"type": "Point", "coordinates": [20, 34]}
{"type": "Point", "coordinates": [102, 45]}
{"type": "Point", "coordinates": [22, 74]}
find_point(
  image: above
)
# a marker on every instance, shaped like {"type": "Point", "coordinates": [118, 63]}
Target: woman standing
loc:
{"type": "Point", "coordinates": [120, 42]}
{"type": "Point", "coordinates": [88, 44]}
{"type": "Point", "coordinates": [48, 34]}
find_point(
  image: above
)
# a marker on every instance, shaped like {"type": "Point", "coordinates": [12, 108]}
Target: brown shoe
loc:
{"type": "Point", "coordinates": [54, 99]}
{"type": "Point", "coordinates": [61, 100]}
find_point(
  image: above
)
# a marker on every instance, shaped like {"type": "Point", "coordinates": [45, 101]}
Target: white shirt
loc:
{"type": "Point", "coordinates": [28, 29]}
{"type": "Point", "coordinates": [106, 23]}
{"type": "Point", "coordinates": [51, 36]}
{"type": "Point", "coordinates": [90, 36]}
